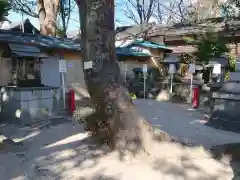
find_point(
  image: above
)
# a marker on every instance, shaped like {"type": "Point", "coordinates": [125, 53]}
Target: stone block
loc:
{"type": "Point", "coordinates": [234, 76]}
{"type": "Point", "coordinates": [231, 87]}
{"type": "Point", "coordinates": [237, 67]}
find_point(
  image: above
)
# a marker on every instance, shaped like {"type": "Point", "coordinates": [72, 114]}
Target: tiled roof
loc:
{"type": "Point", "coordinates": [218, 25]}
{"type": "Point", "coordinates": [38, 40]}
{"type": "Point", "coordinates": [196, 28]}
{"type": "Point", "coordinates": [127, 32]}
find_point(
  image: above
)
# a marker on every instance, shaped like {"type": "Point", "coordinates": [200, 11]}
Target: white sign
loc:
{"type": "Point", "coordinates": [145, 68]}
{"type": "Point", "coordinates": [192, 68]}
{"type": "Point", "coordinates": [217, 69]}
{"type": "Point", "coordinates": [172, 69]}
{"type": "Point", "coordinates": [140, 49]}
{"type": "Point", "coordinates": [62, 64]}
{"type": "Point", "coordinates": [88, 65]}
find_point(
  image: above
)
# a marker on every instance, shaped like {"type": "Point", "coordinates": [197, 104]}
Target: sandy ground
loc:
{"type": "Point", "coordinates": [65, 152]}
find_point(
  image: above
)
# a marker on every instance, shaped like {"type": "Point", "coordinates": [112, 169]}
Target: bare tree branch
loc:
{"type": "Point", "coordinates": [139, 11]}
{"type": "Point", "coordinates": [180, 9]}
{"type": "Point", "coordinates": [27, 7]}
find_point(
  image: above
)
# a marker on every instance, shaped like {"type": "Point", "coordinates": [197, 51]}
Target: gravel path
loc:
{"type": "Point", "coordinates": [182, 121]}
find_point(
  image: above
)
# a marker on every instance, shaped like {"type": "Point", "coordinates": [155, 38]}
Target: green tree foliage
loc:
{"type": "Point", "coordinates": [208, 45]}
{"type": "Point", "coordinates": [4, 8]}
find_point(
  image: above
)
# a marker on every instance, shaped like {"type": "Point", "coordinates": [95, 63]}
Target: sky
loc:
{"type": "Point", "coordinates": [15, 17]}
{"type": "Point", "coordinates": [73, 22]}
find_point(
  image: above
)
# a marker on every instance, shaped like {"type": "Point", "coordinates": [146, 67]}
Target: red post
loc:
{"type": "Point", "coordinates": [195, 99]}
{"type": "Point", "coordinates": [72, 106]}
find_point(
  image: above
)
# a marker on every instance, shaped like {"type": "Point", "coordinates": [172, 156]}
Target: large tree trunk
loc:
{"type": "Point", "coordinates": [126, 130]}
{"type": "Point", "coordinates": [47, 11]}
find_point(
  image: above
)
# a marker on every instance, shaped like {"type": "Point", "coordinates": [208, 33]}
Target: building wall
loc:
{"type": "Point", "coordinates": [178, 49]}
{"type": "Point", "coordinates": [131, 64]}
{"type": "Point", "coordinates": [5, 70]}
{"type": "Point", "coordinates": [75, 76]}
{"type": "Point", "coordinates": [157, 39]}
{"type": "Point", "coordinates": [75, 79]}
{"type": "Point", "coordinates": [50, 73]}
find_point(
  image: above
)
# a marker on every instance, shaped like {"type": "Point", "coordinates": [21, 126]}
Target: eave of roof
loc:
{"type": "Point", "coordinates": [130, 52]}
{"type": "Point", "coordinates": [150, 44]}
{"type": "Point", "coordinates": [218, 25]}
{"type": "Point", "coordinates": [49, 42]}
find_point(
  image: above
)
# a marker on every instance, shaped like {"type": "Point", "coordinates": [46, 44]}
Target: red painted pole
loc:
{"type": "Point", "coordinates": [72, 106]}
{"type": "Point", "coordinates": [195, 102]}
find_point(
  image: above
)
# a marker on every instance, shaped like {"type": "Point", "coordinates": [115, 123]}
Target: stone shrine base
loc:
{"type": "Point", "coordinates": [226, 115]}
{"type": "Point", "coordinates": [224, 121]}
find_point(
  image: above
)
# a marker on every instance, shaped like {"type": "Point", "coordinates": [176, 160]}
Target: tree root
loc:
{"type": "Point", "coordinates": [99, 128]}
{"type": "Point", "coordinates": [126, 141]}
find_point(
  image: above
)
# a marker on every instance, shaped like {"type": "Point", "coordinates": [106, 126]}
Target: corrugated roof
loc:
{"type": "Point", "coordinates": [38, 40]}
{"type": "Point", "coordinates": [17, 47]}
{"type": "Point", "coordinates": [27, 51]}
{"type": "Point", "coordinates": [150, 45]}
{"type": "Point", "coordinates": [30, 54]}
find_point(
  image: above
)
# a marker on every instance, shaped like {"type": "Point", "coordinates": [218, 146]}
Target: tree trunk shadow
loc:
{"type": "Point", "coordinates": [230, 151]}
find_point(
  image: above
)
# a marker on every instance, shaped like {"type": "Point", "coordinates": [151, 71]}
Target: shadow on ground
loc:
{"type": "Point", "coordinates": [60, 149]}
{"type": "Point", "coordinates": [47, 151]}
{"type": "Point", "coordinates": [232, 153]}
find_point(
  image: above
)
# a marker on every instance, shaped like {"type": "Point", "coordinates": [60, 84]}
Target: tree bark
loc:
{"type": "Point", "coordinates": [47, 12]}
{"type": "Point", "coordinates": [126, 130]}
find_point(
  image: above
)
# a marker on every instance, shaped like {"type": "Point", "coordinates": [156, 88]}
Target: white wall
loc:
{"type": "Point", "coordinates": [74, 78]}
{"type": "Point", "coordinates": [50, 73]}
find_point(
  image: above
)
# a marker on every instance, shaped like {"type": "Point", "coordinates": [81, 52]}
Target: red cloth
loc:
{"type": "Point", "coordinates": [72, 105]}
{"type": "Point", "coordinates": [195, 102]}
